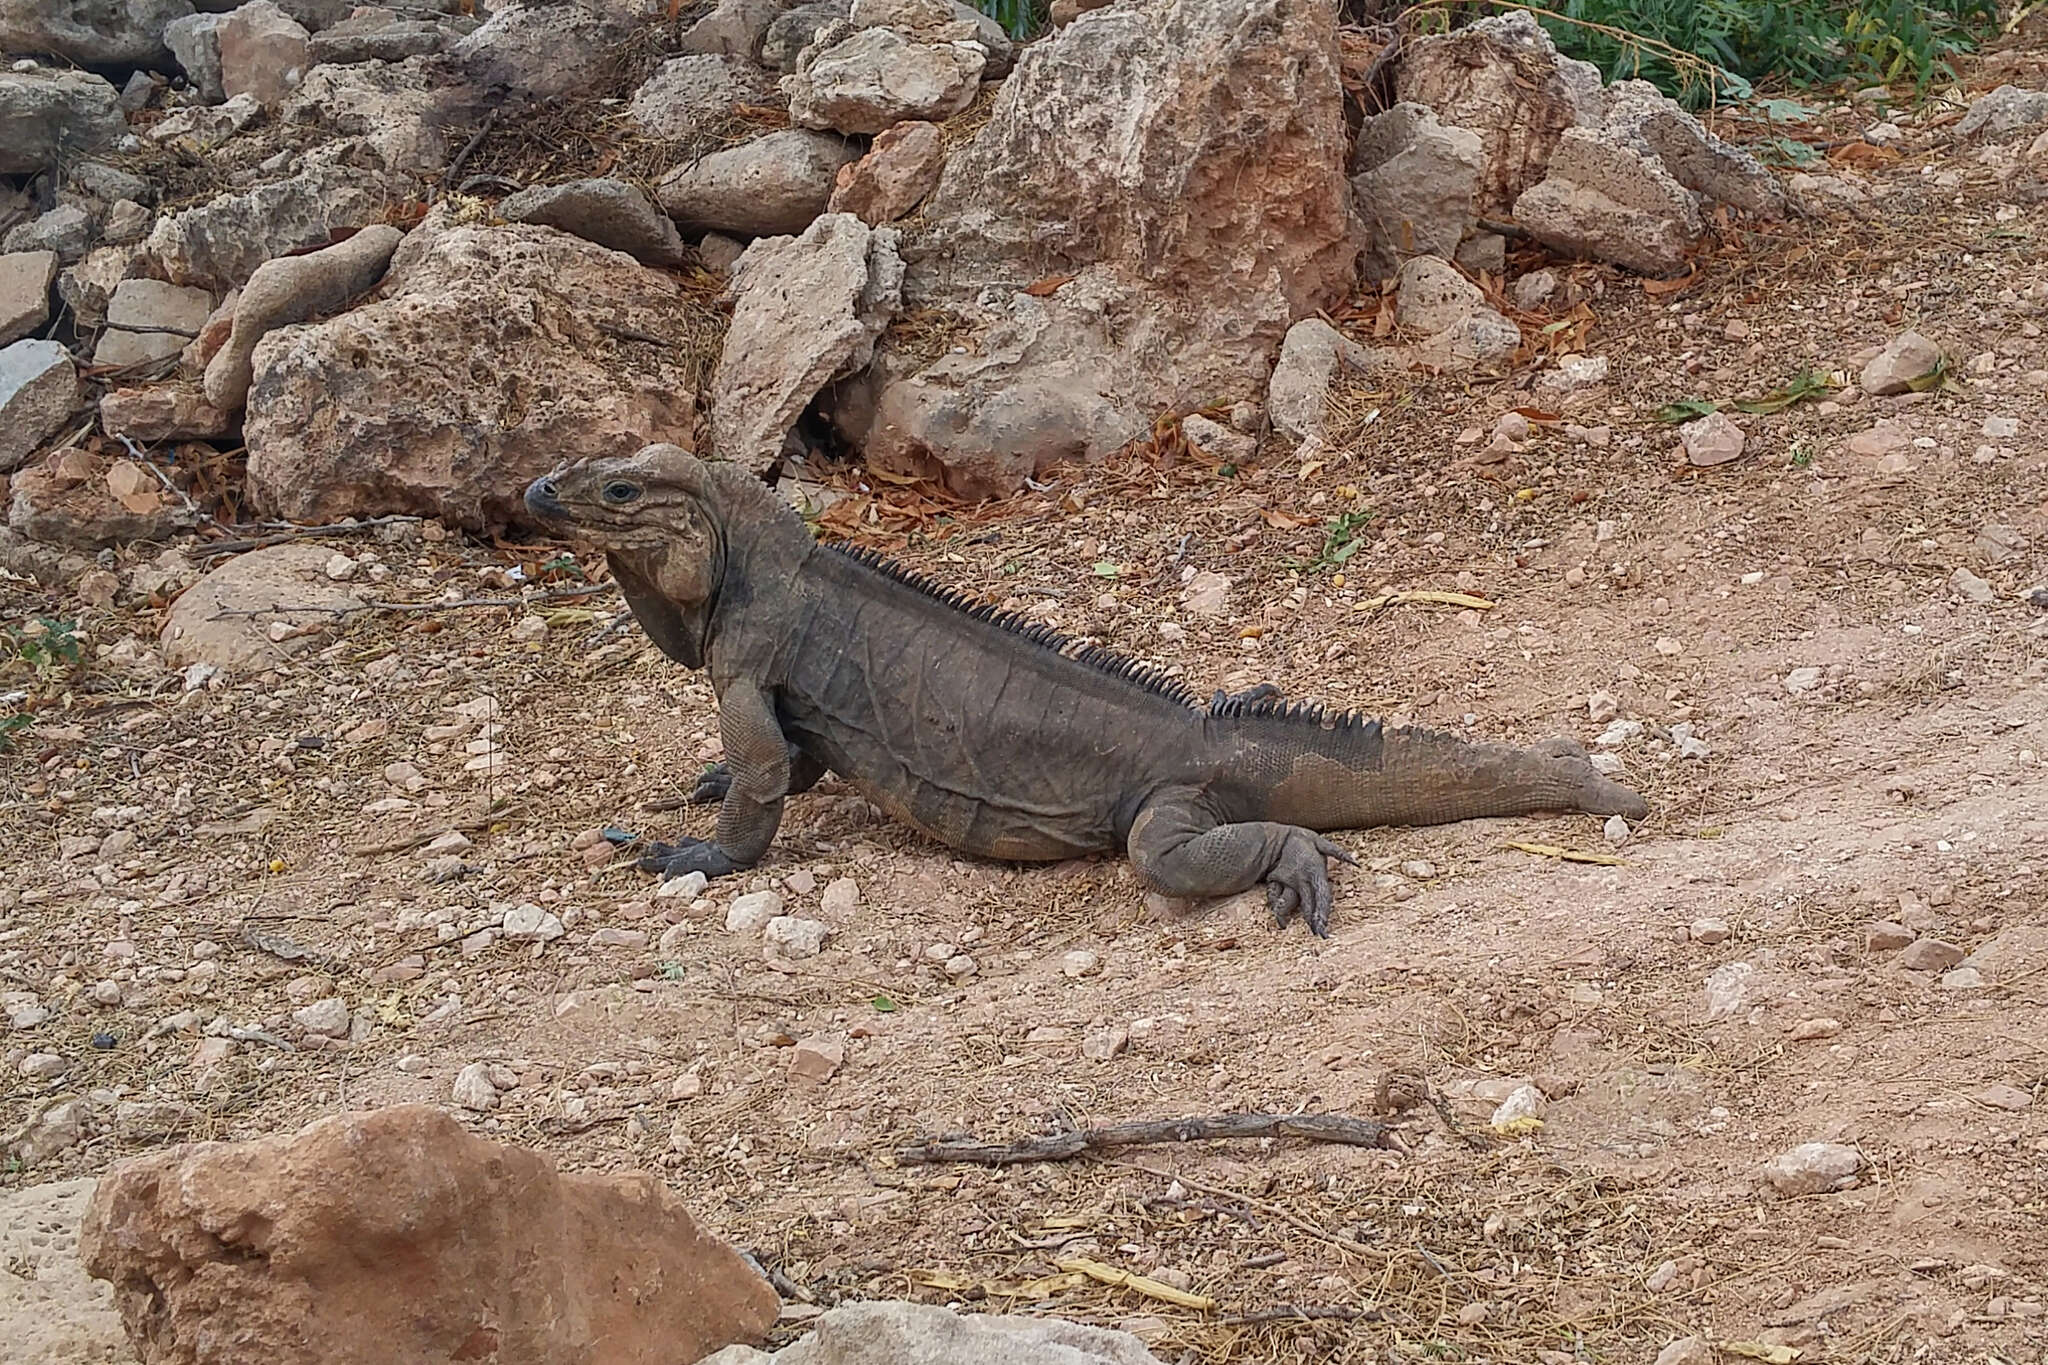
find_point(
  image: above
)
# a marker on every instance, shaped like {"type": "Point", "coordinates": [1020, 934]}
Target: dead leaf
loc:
{"type": "Point", "coordinates": [1124, 1279]}
{"type": "Point", "coordinates": [1757, 1350]}
{"type": "Point", "coordinates": [1566, 854]}
{"type": "Point", "coordinates": [1047, 287]}
{"type": "Point", "coordinates": [1863, 155]}
{"type": "Point", "coordinates": [1658, 289]}
{"type": "Point", "coordinates": [1280, 521]}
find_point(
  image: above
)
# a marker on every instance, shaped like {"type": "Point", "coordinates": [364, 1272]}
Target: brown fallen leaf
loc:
{"type": "Point", "coordinates": [1124, 1279]}
{"type": "Point", "coordinates": [1658, 289]}
{"type": "Point", "coordinates": [1047, 287]}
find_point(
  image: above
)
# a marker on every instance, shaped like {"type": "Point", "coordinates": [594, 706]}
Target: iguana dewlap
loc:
{"type": "Point", "coordinates": [992, 735]}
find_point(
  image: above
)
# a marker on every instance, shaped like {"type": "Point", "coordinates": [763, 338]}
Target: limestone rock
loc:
{"type": "Point", "coordinates": [55, 1313]}
{"type": "Point", "coordinates": [608, 212]}
{"type": "Point", "coordinates": [1414, 181]}
{"type": "Point", "coordinates": [1312, 357]}
{"type": "Point", "coordinates": [88, 502]}
{"type": "Point", "coordinates": [396, 1235]}
{"type": "Point", "coordinates": [291, 289]}
{"type": "Point", "coordinates": [734, 28]}
{"type": "Point", "coordinates": [1228, 130]}
{"type": "Point", "coordinates": [940, 21]}
{"type": "Point", "coordinates": [1639, 116]}
{"type": "Point", "coordinates": [67, 230]}
{"type": "Point", "coordinates": [1479, 338]}
{"type": "Point", "coordinates": [1712, 440]}
{"type": "Point", "coordinates": [88, 287]}
{"type": "Point", "coordinates": [877, 78]}
{"type": "Point", "coordinates": [806, 309]}
{"type": "Point", "coordinates": [107, 33]}
{"type": "Point", "coordinates": [788, 32]}
{"type": "Point", "coordinates": [900, 169]}
{"type": "Point", "coordinates": [167, 316]}
{"type": "Point", "coordinates": [195, 42]}
{"type": "Point", "coordinates": [1813, 1168]}
{"type": "Point", "coordinates": [531, 47]}
{"type": "Point", "coordinates": [403, 115]}
{"type": "Point", "coordinates": [2007, 110]}
{"type": "Point", "coordinates": [692, 95]}
{"type": "Point", "coordinates": [263, 52]}
{"type": "Point", "coordinates": [1613, 203]}
{"type": "Point", "coordinates": [224, 619]}
{"type": "Point", "coordinates": [353, 416]}
{"type": "Point", "coordinates": [38, 393]}
{"type": "Point", "coordinates": [218, 245]}
{"type": "Point", "coordinates": [1431, 296]}
{"type": "Point", "coordinates": [772, 186]}
{"type": "Point", "coordinates": [25, 280]}
{"type": "Point", "coordinates": [47, 117]}
{"type": "Point", "coordinates": [376, 37]}
{"type": "Point", "coordinates": [925, 1334]}
{"type": "Point", "coordinates": [163, 412]}
{"type": "Point", "coordinates": [1905, 360]}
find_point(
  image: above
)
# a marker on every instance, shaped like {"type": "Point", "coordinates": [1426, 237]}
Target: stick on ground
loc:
{"type": "Point", "coordinates": [1342, 1128]}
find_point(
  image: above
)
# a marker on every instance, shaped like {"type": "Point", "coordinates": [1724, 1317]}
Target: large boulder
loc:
{"type": "Point", "coordinates": [249, 613]}
{"type": "Point", "coordinates": [806, 310]}
{"type": "Point", "coordinates": [494, 354]}
{"type": "Point", "coordinates": [291, 289]}
{"type": "Point", "coordinates": [772, 186]}
{"type": "Point", "coordinates": [1184, 162]}
{"type": "Point", "coordinates": [91, 32]}
{"type": "Point", "coordinates": [396, 1235]}
{"type": "Point", "coordinates": [399, 115]}
{"type": "Point", "coordinates": [52, 116]}
{"type": "Point", "coordinates": [877, 78]}
{"type": "Point", "coordinates": [925, 1334]}
{"type": "Point", "coordinates": [55, 1313]}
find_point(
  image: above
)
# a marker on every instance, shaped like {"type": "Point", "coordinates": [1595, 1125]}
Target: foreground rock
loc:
{"type": "Point", "coordinates": [251, 612]}
{"type": "Point", "coordinates": [88, 502]}
{"type": "Point", "coordinates": [91, 32]}
{"type": "Point", "coordinates": [396, 1235]}
{"type": "Point", "coordinates": [355, 416]}
{"type": "Point", "coordinates": [806, 310]}
{"type": "Point", "coordinates": [25, 280]}
{"type": "Point", "coordinates": [922, 1334]}
{"type": "Point", "coordinates": [218, 245]}
{"type": "Point", "coordinates": [55, 1314]}
{"type": "Point", "coordinates": [900, 169]}
{"type": "Point", "coordinates": [1229, 130]}
{"type": "Point", "coordinates": [877, 78]}
{"type": "Point", "coordinates": [38, 393]}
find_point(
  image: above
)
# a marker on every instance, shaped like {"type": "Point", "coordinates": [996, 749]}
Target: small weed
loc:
{"type": "Point", "coordinates": [1802, 455]}
{"type": "Point", "coordinates": [1343, 537]}
{"type": "Point", "coordinates": [47, 648]}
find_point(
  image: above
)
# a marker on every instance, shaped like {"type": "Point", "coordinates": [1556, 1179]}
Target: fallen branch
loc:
{"type": "Point", "coordinates": [1442, 599]}
{"type": "Point", "coordinates": [1060, 1146]}
{"type": "Point", "coordinates": [450, 605]}
{"type": "Point", "coordinates": [1298, 1312]}
{"type": "Point", "coordinates": [286, 533]}
{"type": "Point", "coordinates": [1568, 855]}
{"type": "Point", "coordinates": [455, 166]}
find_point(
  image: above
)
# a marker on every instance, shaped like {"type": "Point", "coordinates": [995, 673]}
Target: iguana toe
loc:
{"type": "Point", "coordinates": [1300, 881]}
{"type": "Point", "coordinates": [689, 855]}
{"type": "Point", "coordinates": [712, 785]}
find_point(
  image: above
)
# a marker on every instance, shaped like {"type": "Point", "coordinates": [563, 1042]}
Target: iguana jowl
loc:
{"type": "Point", "coordinates": [993, 735]}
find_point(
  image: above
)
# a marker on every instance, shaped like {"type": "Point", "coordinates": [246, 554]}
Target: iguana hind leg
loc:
{"type": "Point", "coordinates": [758, 759]}
{"type": "Point", "coordinates": [716, 780]}
{"type": "Point", "coordinates": [1183, 850]}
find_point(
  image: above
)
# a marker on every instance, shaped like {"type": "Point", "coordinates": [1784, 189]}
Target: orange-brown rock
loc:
{"type": "Point", "coordinates": [398, 1238]}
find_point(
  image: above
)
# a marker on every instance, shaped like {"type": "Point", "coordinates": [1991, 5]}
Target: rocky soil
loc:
{"type": "Point", "coordinates": [339, 827]}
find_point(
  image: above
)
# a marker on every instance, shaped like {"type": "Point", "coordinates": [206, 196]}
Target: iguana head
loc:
{"type": "Point", "coordinates": [650, 512]}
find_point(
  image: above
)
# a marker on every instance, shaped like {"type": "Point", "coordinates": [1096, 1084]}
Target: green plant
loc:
{"type": "Point", "coordinates": [47, 647]}
{"type": "Point", "coordinates": [12, 725]}
{"type": "Point", "coordinates": [1343, 537]}
{"type": "Point", "coordinates": [1019, 18]}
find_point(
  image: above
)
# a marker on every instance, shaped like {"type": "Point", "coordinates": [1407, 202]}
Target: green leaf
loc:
{"type": "Point", "coordinates": [1810, 384]}
{"type": "Point", "coordinates": [1785, 111]}
{"type": "Point", "coordinates": [1685, 409]}
{"type": "Point", "coordinates": [884, 1005]}
{"type": "Point", "coordinates": [1105, 569]}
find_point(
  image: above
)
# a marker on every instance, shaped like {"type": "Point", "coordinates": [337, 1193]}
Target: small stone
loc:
{"type": "Point", "coordinates": [1662, 1278]}
{"type": "Point", "coordinates": [618, 938]}
{"type": "Point", "coordinates": [1105, 1044]}
{"type": "Point", "coordinates": [1803, 680]}
{"type": "Point", "coordinates": [454, 841]}
{"type": "Point", "coordinates": [1217, 441]}
{"type": "Point", "coordinates": [1206, 594]}
{"type": "Point", "coordinates": [750, 913]}
{"type": "Point", "coordinates": [1728, 990]}
{"type": "Point", "coordinates": [1618, 734]}
{"type": "Point", "coordinates": [1534, 289]}
{"type": "Point", "coordinates": [1616, 830]}
{"type": "Point", "coordinates": [597, 855]}
{"type": "Point", "coordinates": [817, 1058]}
{"type": "Point", "coordinates": [685, 888]}
{"type": "Point", "coordinates": [529, 629]}
{"type": "Point", "coordinates": [1472, 1314]}
{"type": "Point", "coordinates": [1813, 1168]}
{"type": "Point", "coordinates": [1049, 1033]}
{"type": "Point", "coordinates": [1686, 1351]}
{"type": "Point", "coordinates": [1079, 963]}
{"type": "Point", "coordinates": [960, 966]}
{"type": "Point", "coordinates": [327, 1018]}
{"type": "Point", "coordinates": [341, 569]}
{"type": "Point", "coordinates": [1711, 440]}
{"type": "Point", "coordinates": [1909, 358]}
{"type": "Point", "coordinates": [1524, 1102]}
{"type": "Point", "coordinates": [1930, 955]}
{"type": "Point", "coordinates": [43, 1066]}
{"type": "Point", "coordinates": [1669, 647]}
{"type": "Point", "coordinates": [1602, 707]}
{"type": "Point", "coordinates": [1886, 936]}
{"type": "Point", "coordinates": [1962, 979]}
{"type": "Point", "coordinates": [687, 1086]}
{"type": "Point", "coordinates": [1709, 930]}
{"type": "Point", "coordinates": [1813, 1030]}
{"type": "Point", "coordinates": [2004, 1097]}
{"type": "Point", "coordinates": [2001, 428]}
{"type": "Point", "coordinates": [473, 1088]}
{"type": "Point", "coordinates": [530, 921]}
{"type": "Point", "coordinates": [796, 938]}
{"type": "Point", "coordinates": [1971, 588]}
{"type": "Point", "coordinates": [106, 993]}
{"type": "Point", "coordinates": [1419, 869]}
{"type": "Point", "coordinates": [841, 898]}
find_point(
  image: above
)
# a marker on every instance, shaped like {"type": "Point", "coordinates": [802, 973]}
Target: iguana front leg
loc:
{"type": "Point", "coordinates": [758, 759]}
{"type": "Point", "coordinates": [1184, 850]}
{"type": "Point", "coordinates": [712, 784]}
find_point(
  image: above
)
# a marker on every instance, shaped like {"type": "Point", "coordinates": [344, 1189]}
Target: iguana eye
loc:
{"type": "Point", "coordinates": [620, 492]}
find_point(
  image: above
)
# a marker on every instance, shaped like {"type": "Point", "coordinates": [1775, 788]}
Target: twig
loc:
{"type": "Point", "coordinates": [287, 533]}
{"type": "Point", "coordinates": [455, 166]}
{"type": "Point", "coordinates": [1298, 1312]}
{"type": "Point", "coordinates": [1060, 1146]}
{"type": "Point", "coordinates": [561, 596]}
{"type": "Point", "coordinates": [1294, 1220]}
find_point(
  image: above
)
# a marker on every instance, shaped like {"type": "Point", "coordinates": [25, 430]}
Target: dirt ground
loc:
{"type": "Point", "coordinates": [270, 854]}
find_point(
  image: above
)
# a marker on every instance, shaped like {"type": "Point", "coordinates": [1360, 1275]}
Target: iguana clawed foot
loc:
{"type": "Point", "coordinates": [1598, 793]}
{"type": "Point", "coordinates": [687, 855]}
{"type": "Point", "coordinates": [712, 785]}
{"type": "Point", "coordinates": [1256, 693]}
{"type": "Point", "coordinates": [1300, 881]}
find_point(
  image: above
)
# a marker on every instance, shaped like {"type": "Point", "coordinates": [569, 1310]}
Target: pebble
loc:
{"type": "Point", "coordinates": [106, 993]}
{"type": "Point", "coordinates": [687, 887]}
{"type": "Point", "coordinates": [454, 841]}
{"type": "Point", "coordinates": [1708, 929]}
{"type": "Point", "coordinates": [1686, 1351]}
{"type": "Point", "coordinates": [1711, 440]}
{"type": "Point", "coordinates": [687, 1086]}
{"type": "Point", "coordinates": [1524, 1102]}
{"type": "Point", "coordinates": [1079, 963]}
{"type": "Point", "coordinates": [1813, 1030]}
{"type": "Point", "coordinates": [43, 1066]}
{"type": "Point", "coordinates": [1813, 1167]}
{"type": "Point", "coordinates": [797, 938]}
{"type": "Point", "coordinates": [618, 938]}
{"type": "Point", "coordinates": [530, 921]}
{"type": "Point", "coordinates": [529, 629]}
{"type": "Point", "coordinates": [750, 913]}
{"type": "Point", "coordinates": [1616, 830]}
{"type": "Point", "coordinates": [1886, 936]}
{"type": "Point", "coordinates": [1105, 1044]}
{"type": "Point", "coordinates": [841, 898]}
{"type": "Point", "coordinates": [1619, 733]}
{"type": "Point", "coordinates": [1607, 765]}
{"type": "Point", "coordinates": [1049, 1033]}
{"type": "Point", "coordinates": [1472, 1314]}
{"type": "Point", "coordinates": [326, 1018]}
{"type": "Point", "coordinates": [1728, 989]}
{"type": "Point", "coordinates": [1962, 979]}
{"type": "Point", "coordinates": [2001, 428]}
{"type": "Point", "coordinates": [1930, 955]}
{"type": "Point", "coordinates": [412, 1064]}
{"type": "Point", "coordinates": [817, 1058]}
{"type": "Point", "coordinates": [1906, 358]}
{"type": "Point", "coordinates": [473, 1088]}
{"type": "Point", "coordinates": [1803, 680]}
{"type": "Point", "coordinates": [1419, 869]}
{"type": "Point", "coordinates": [1971, 588]}
{"type": "Point", "coordinates": [2004, 1097]}
{"type": "Point", "coordinates": [960, 966]}
{"type": "Point", "coordinates": [1602, 707]}
{"type": "Point", "coordinates": [341, 568]}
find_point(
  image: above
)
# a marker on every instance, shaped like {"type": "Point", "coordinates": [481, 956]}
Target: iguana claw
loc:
{"type": "Point", "coordinates": [712, 785]}
{"type": "Point", "coordinates": [1300, 882]}
{"type": "Point", "coordinates": [688, 855]}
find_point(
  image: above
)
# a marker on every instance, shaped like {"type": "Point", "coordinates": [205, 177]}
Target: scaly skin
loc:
{"type": "Point", "coordinates": [976, 729]}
